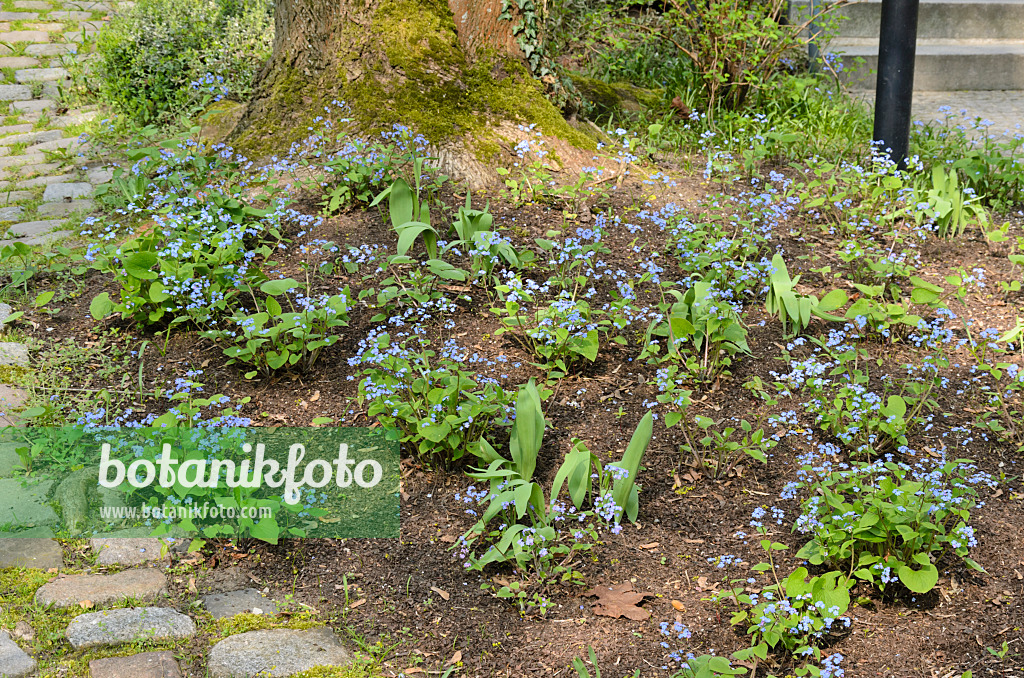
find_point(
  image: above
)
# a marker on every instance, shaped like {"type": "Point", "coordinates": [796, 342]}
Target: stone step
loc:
{"type": "Point", "coordinates": [936, 20]}
{"type": "Point", "coordinates": [941, 65]}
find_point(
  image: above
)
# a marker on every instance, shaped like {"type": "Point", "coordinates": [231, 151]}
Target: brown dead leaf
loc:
{"type": "Point", "coordinates": [441, 592]}
{"type": "Point", "coordinates": [619, 601]}
{"type": "Point", "coordinates": [652, 545]}
{"type": "Point", "coordinates": [413, 669]}
{"type": "Point", "coordinates": [192, 585]}
{"type": "Point", "coordinates": [456, 658]}
{"type": "Point", "coordinates": [86, 604]}
{"type": "Point", "coordinates": [678, 604]}
{"type": "Point", "coordinates": [357, 603]}
{"type": "Point", "coordinates": [315, 397]}
{"type": "Point", "coordinates": [448, 538]}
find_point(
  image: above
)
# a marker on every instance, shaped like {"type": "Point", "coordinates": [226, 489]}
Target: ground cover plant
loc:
{"type": "Point", "coordinates": [765, 378]}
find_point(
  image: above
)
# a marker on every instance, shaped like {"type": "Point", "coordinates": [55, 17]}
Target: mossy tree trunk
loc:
{"type": "Point", "coordinates": [451, 70]}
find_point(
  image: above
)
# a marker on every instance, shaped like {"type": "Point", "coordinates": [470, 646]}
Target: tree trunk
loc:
{"type": "Point", "coordinates": [450, 70]}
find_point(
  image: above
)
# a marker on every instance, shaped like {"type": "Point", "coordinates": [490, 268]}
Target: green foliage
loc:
{"type": "Point", "coordinates": [717, 452]}
{"type": "Point", "coordinates": [561, 335]}
{"type": "Point", "coordinates": [734, 46]}
{"type": "Point", "coordinates": [193, 264]}
{"type": "Point", "coordinates": [165, 57]}
{"type": "Point", "coordinates": [795, 615]}
{"type": "Point", "coordinates": [272, 339]}
{"type": "Point", "coordinates": [793, 308]}
{"type": "Point", "coordinates": [701, 333]}
{"type": "Point", "coordinates": [538, 535]}
{"type": "Point", "coordinates": [436, 405]}
{"type": "Point", "coordinates": [884, 522]}
{"type": "Point", "coordinates": [948, 205]}
{"type": "Point", "coordinates": [988, 164]}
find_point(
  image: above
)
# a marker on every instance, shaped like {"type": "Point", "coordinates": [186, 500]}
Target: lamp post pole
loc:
{"type": "Point", "coordinates": [894, 89]}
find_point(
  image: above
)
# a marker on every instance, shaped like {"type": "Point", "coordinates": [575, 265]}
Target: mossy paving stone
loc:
{"type": "Point", "coordinates": [126, 550]}
{"type": "Point", "coordinates": [143, 665]}
{"type": "Point", "coordinates": [102, 589]}
{"type": "Point", "coordinates": [127, 625]}
{"type": "Point", "coordinates": [14, 663]}
{"type": "Point", "coordinates": [276, 653]}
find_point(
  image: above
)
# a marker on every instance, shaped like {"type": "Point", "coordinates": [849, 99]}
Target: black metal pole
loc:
{"type": "Point", "coordinates": [814, 32]}
{"type": "Point", "coordinates": [894, 90]}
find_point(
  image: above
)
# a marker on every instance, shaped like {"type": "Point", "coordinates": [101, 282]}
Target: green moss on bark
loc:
{"type": "Point", "coordinates": [418, 76]}
{"type": "Point", "coordinates": [616, 97]}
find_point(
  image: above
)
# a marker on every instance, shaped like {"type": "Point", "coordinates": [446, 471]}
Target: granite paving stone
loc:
{"type": "Point", "coordinates": [126, 551]}
{"type": "Point", "coordinates": [25, 506]}
{"type": "Point", "coordinates": [67, 191]}
{"type": "Point", "coordinates": [39, 551]}
{"type": "Point", "coordinates": [44, 181]}
{"type": "Point", "coordinates": [25, 36]}
{"type": "Point", "coordinates": [32, 137]}
{"type": "Point", "coordinates": [13, 353]}
{"type": "Point", "coordinates": [275, 653]}
{"type": "Point", "coordinates": [126, 625]}
{"type": "Point", "coordinates": [63, 209]}
{"type": "Point", "coordinates": [41, 74]}
{"type": "Point", "coordinates": [50, 49]}
{"type": "Point", "coordinates": [18, 62]}
{"type": "Point", "coordinates": [14, 662]}
{"type": "Point", "coordinates": [102, 589]}
{"type": "Point", "coordinates": [11, 213]}
{"type": "Point", "coordinates": [29, 229]}
{"type": "Point", "coordinates": [142, 665]}
{"type": "Point", "coordinates": [221, 605]}
{"type": "Point", "coordinates": [15, 92]}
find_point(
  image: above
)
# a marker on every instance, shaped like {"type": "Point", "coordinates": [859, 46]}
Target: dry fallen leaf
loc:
{"type": "Point", "coordinates": [86, 605]}
{"type": "Point", "coordinates": [678, 604]}
{"type": "Point", "coordinates": [315, 397]}
{"type": "Point", "coordinates": [413, 669]}
{"type": "Point", "coordinates": [652, 545]}
{"type": "Point", "coordinates": [357, 603]}
{"type": "Point", "coordinates": [192, 585]}
{"type": "Point", "coordinates": [441, 592]}
{"type": "Point", "coordinates": [456, 658]}
{"type": "Point", "coordinates": [619, 601]}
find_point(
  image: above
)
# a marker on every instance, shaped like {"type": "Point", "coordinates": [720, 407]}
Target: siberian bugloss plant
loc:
{"type": "Point", "coordinates": [796, 614]}
{"type": "Point", "coordinates": [440, 409]}
{"type": "Point", "coordinates": [887, 521]}
{"type": "Point", "coordinates": [701, 332]}
{"type": "Point", "coordinates": [273, 338]}
{"type": "Point", "coordinates": [561, 335]}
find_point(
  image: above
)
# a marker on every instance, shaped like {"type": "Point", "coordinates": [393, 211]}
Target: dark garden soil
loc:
{"type": "Point", "coordinates": [414, 596]}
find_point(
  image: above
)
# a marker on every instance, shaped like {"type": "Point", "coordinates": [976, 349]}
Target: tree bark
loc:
{"type": "Point", "coordinates": [449, 69]}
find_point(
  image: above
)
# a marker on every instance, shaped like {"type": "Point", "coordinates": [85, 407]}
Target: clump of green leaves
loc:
{"type": "Point", "coordinates": [701, 333]}
{"type": "Point", "coordinates": [440, 409]}
{"type": "Point", "coordinates": [272, 338]}
{"type": "Point", "coordinates": [162, 57]}
{"type": "Point", "coordinates": [885, 522]}
{"type": "Point", "coordinates": [537, 533]}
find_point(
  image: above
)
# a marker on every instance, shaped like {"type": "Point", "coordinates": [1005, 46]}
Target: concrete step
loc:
{"type": "Point", "coordinates": [937, 19]}
{"type": "Point", "coordinates": [941, 65]}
